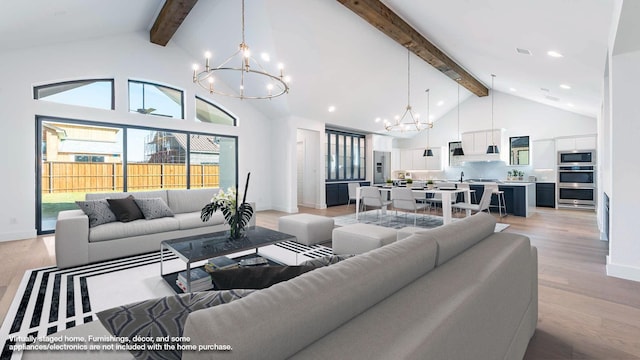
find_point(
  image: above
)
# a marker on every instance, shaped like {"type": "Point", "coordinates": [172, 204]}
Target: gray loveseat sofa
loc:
{"type": "Point", "coordinates": [460, 291]}
{"type": "Point", "coordinates": [78, 244]}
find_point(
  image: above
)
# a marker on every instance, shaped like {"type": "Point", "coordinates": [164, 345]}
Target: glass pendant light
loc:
{"type": "Point", "coordinates": [492, 148]}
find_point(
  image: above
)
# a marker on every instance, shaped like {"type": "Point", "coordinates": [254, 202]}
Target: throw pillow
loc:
{"type": "Point", "coordinates": [125, 209]}
{"type": "Point", "coordinates": [163, 316]}
{"type": "Point", "coordinates": [98, 211]}
{"type": "Point", "coordinates": [256, 277]}
{"type": "Point", "coordinates": [326, 260]}
{"type": "Point", "coordinates": [153, 208]}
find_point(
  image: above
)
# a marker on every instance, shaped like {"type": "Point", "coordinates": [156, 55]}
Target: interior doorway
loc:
{"type": "Point", "coordinates": [308, 159]}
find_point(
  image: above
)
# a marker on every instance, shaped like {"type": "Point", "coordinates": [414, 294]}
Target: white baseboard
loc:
{"type": "Point", "coordinates": [623, 271]}
{"type": "Point", "coordinates": [18, 235]}
{"type": "Point", "coordinates": [285, 209]}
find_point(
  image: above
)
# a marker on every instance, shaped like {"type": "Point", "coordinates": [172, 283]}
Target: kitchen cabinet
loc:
{"type": "Point", "coordinates": [546, 195]}
{"type": "Point", "coordinates": [419, 162]}
{"type": "Point", "coordinates": [576, 143]}
{"type": "Point", "coordinates": [434, 162]}
{"type": "Point", "coordinates": [544, 154]}
{"type": "Point", "coordinates": [477, 142]}
{"type": "Point", "coordinates": [338, 193]}
{"type": "Point", "coordinates": [395, 159]}
{"type": "Point", "coordinates": [518, 198]}
{"type": "Point", "coordinates": [406, 159]}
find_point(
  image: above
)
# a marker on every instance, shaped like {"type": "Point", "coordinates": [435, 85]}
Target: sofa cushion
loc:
{"type": "Point", "coordinates": [304, 309]}
{"type": "Point", "coordinates": [136, 194]}
{"type": "Point", "coordinates": [192, 220]}
{"type": "Point", "coordinates": [186, 201]}
{"type": "Point", "coordinates": [98, 211]}
{"type": "Point", "coordinates": [119, 230]}
{"type": "Point", "coordinates": [153, 208]}
{"type": "Point", "coordinates": [461, 235]}
{"type": "Point", "coordinates": [125, 209]}
{"type": "Point", "coordinates": [162, 317]}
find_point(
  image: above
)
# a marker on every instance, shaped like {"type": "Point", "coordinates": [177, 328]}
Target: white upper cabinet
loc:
{"type": "Point", "coordinates": [419, 162]}
{"type": "Point", "coordinates": [544, 154]}
{"type": "Point", "coordinates": [476, 142]}
{"type": "Point", "coordinates": [434, 162]}
{"type": "Point", "coordinates": [406, 159]}
{"type": "Point", "coordinates": [413, 159]}
{"type": "Point", "coordinates": [576, 143]}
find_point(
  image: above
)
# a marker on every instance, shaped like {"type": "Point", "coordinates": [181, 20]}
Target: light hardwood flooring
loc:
{"type": "Point", "coordinates": [583, 313]}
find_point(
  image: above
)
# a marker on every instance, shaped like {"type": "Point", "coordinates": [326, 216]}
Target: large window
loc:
{"type": "Point", "coordinates": [90, 93]}
{"type": "Point", "coordinates": [154, 99]}
{"type": "Point", "coordinates": [345, 156]}
{"type": "Point", "coordinates": [207, 112]}
{"type": "Point", "coordinates": [80, 157]}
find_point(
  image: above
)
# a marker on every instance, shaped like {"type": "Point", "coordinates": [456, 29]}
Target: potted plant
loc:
{"type": "Point", "coordinates": [389, 182]}
{"type": "Point", "coordinates": [236, 215]}
{"type": "Point", "coordinates": [520, 175]}
{"type": "Point", "coordinates": [409, 182]}
{"type": "Point", "coordinates": [430, 184]}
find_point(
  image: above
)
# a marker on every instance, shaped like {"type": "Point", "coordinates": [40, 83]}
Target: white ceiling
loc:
{"type": "Point", "coordinates": [336, 58]}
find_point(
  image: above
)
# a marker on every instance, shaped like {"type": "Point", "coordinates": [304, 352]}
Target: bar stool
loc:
{"type": "Point", "coordinates": [500, 195]}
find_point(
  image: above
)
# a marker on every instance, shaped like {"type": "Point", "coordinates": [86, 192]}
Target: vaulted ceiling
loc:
{"type": "Point", "coordinates": [336, 58]}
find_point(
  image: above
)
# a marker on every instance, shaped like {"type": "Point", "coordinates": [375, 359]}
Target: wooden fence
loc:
{"type": "Point", "coordinates": [60, 177]}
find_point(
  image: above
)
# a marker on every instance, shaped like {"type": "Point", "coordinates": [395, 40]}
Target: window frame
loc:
{"type": "Point", "coordinates": [235, 119]}
{"type": "Point", "coordinates": [39, 119]}
{"type": "Point", "coordinates": [129, 81]}
{"type": "Point", "coordinates": [355, 140]}
{"type": "Point", "coordinates": [511, 150]}
{"type": "Point", "coordinates": [37, 88]}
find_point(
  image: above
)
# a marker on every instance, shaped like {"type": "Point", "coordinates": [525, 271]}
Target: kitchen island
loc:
{"type": "Point", "coordinates": [520, 197]}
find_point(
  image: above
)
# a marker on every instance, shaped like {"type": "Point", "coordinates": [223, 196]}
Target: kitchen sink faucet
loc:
{"type": "Point", "coordinates": [461, 176]}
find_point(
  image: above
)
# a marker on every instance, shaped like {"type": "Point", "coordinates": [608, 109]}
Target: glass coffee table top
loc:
{"type": "Point", "coordinates": [196, 248]}
{"type": "Point", "coordinates": [202, 247]}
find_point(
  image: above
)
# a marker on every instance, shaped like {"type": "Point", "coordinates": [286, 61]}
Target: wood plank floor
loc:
{"type": "Point", "coordinates": [583, 313]}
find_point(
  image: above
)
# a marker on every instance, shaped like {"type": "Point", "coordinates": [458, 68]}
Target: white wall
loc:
{"type": "Point", "coordinates": [309, 183]}
{"type": "Point", "coordinates": [624, 247]}
{"type": "Point", "coordinates": [124, 57]}
{"type": "Point", "coordinates": [517, 116]}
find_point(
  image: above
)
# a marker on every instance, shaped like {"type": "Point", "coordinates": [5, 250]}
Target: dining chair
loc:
{"type": "Point", "coordinates": [483, 205]}
{"type": "Point", "coordinates": [404, 199]}
{"type": "Point", "coordinates": [352, 192]}
{"type": "Point", "coordinates": [371, 196]}
{"type": "Point", "coordinates": [437, 198]}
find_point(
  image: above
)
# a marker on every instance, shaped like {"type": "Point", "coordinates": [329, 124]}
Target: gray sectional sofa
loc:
{"type": "Point", "coordinates": [460, 291]}
{"type": "Point", "coordinates": [78, 244]}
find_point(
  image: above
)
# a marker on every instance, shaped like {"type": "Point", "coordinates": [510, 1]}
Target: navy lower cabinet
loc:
{"type": "Point", "coordinates": [338, 193]}
{"type": "Point", "coordinates": [546, 195]}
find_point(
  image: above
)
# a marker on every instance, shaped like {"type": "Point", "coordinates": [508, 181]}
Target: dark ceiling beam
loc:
{"type": "Point", "coordinates": [385, 20]}
{"type": "Point", "coordinates": [169, 20]}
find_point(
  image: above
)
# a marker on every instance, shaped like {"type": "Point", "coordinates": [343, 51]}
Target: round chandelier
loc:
{"type": "Point", "coordinates": [254, 81]}
{"type": "Point", "coordinates": [408, 121]}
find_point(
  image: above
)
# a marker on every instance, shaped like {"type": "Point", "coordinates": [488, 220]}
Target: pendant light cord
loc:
{"type": "Point", "coordinates": [493, 76]}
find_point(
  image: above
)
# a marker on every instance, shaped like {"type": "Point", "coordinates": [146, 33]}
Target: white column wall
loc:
{"type": "Point", "coordinates": [129, 56]}
{"type": "Point", "coordinates": [624, 247]}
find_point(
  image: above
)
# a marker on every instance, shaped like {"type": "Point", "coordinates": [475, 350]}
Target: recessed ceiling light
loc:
{"type": "Point", "coordinates": [332, 108]}
{"type": "Point", "coordinates": [523, 51]}
{"type": "Point", "coordinates": [265, 57]}
{"type": "Point", "coordinates": [565, 86]}
{"type": "Point", "coordinates": [512, 89]}
{"type": "Point", "coordinates": [554, 54]}
{"type": "Point", "coordinates": [440, 103]}
{"type": "Point", "coordinates": [377, 119]}
{"type": "Point", "coordinates": [570, 105]}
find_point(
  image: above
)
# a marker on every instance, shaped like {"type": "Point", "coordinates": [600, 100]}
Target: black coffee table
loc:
{"type": "Point", "coordinates": [202, 247]}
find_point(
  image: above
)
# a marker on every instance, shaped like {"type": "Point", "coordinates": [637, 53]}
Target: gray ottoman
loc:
{"type": "Point", "coordinates": [405, 232]}
{"type": "Point", "coordinates": [307, 228]}
{"type": "Point", "coordinates": [360, 238]}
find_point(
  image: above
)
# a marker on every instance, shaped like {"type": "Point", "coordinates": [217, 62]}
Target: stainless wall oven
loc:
{"type": "Point", "coordinates": [577, 157]}
{"type": "Point", "coordinates": [577, 179]}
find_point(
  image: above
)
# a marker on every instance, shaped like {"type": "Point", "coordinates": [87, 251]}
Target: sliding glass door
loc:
{"type": "Point", "coordinates": [79, 157]}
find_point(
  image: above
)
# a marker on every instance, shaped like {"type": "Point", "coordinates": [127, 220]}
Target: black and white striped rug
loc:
{"type": "Point", "coordinates": [50, 299]}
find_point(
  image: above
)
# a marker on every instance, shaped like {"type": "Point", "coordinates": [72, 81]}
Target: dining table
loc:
{"type": "Point", "coordinates": [446, 194]}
